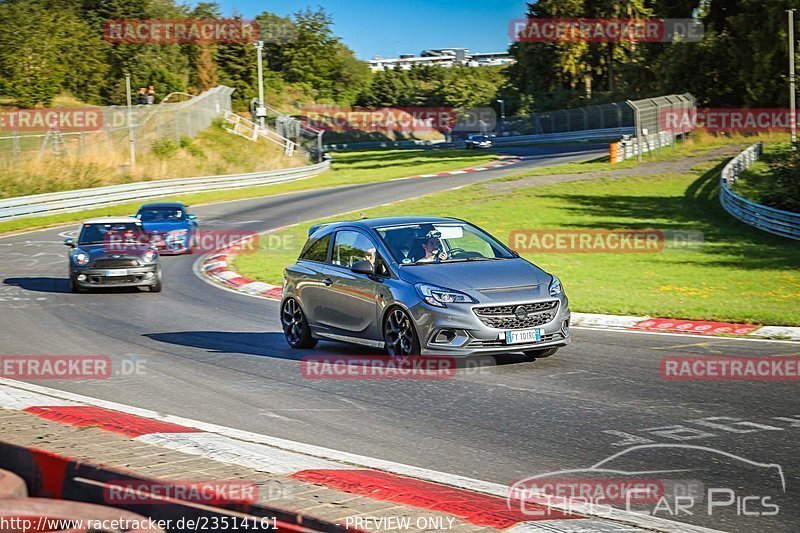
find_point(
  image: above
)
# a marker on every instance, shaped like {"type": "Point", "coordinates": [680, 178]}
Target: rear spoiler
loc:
{"type": "Point", "coordinates": [315, 227]}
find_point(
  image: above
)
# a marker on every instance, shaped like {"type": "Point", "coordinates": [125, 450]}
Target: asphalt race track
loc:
{"type": "Point", "coordinates": [217, 356]}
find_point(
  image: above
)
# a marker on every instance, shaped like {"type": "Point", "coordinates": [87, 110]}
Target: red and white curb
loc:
{"type": "Point", "coordinates": [685, 326]}
{"type": "Point", "coordinates": [504, 162]}
{"type": "Point", "coordinates": [473, 501]}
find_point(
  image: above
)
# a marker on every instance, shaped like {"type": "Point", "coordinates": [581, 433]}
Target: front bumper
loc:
{"type": "Point", "coordinates": [173, 245]}
{"type": "Point", "coordinates": [473, 336]}
{"type": "Point", "coordinates": [143, 276]}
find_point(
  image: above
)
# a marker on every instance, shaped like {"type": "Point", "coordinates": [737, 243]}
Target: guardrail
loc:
{"type": "Point", "coordinates": [769, 219]}
{"type": "Point", "coordinates": [64, 202]}
{"type": "Point", "coordinates": [543, 138]}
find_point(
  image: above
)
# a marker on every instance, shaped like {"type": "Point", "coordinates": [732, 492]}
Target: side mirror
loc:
{"type": "Point", "coordinates": [69, 241]}
{"type": "Point", "coordinates": [191, 216]}
{"type": "Point", "coordinates": [363, 267]}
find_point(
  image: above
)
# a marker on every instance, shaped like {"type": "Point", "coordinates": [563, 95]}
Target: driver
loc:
{"type": "Point", "coordinates": [432, 248]}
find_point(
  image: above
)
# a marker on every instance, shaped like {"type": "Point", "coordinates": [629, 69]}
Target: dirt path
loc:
{"type": "Point", "coordinates": [667, 166]}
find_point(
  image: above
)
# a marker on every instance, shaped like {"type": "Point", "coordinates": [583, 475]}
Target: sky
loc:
{"type": "Point", "coordinates": [390, 27]}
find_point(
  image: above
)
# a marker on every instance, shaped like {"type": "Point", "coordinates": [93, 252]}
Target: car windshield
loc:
{"type": "Point", "coordinates": [114, 233]}
{"type": "Point", "coordinates": [418, 244]}
{"type": "Point", "coordinates": [161, 214]}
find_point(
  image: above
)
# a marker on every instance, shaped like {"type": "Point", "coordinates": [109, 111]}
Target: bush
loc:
{"type": "Point", "coordinates": [165, 148]}
{"type": "Point", "coordinates": [195, 151]}
{"type": "Point", "coordinates": [785, 170]}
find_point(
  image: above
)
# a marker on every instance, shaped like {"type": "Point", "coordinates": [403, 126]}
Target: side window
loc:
{"type": "Point", "coordinates": [317, 250]}
{"type": "Point", "coordinates": [349, 247]}
{"type": "Point", "coordinates": [381, 268]}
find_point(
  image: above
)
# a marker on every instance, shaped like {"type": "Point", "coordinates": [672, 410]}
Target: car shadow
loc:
{"type": "Point", "coordinates": [40, 284]}
{"type": "Point", "coordinates": [273, 344]}
{"type": "Point", "coordinates": [58, 285]}
{"type": "Point", "coordinates": [263, 344]}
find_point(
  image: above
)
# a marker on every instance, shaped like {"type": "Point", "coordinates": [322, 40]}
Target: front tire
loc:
{"type": "Point", "coordinates": [295, 325]}
{"type": "Point", "coordinates": [73, 287]}
{"type": "Point", "coordinates": [156, 287]}
{"type": "Point", "coordinates": [540, 354]}
{"type": "Point", "coordinates": [399, 335]}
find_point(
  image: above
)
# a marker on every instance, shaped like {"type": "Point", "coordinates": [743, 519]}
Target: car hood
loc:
{"type": "Point", "coordinates": [165, 227]}
{"type": "Point", "coordinates": [501, 280]}
{"type": "Point", "coordinates": [101, 251]}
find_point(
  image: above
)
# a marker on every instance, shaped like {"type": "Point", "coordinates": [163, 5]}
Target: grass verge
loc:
{"type": "Point", "coordinates": [348, 169]}
{"type": "Point", "coordinates": [738, 274]}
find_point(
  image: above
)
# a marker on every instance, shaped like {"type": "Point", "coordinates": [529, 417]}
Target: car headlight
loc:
{"type": "Point", "coordinates": [439, 296]}
{"type": "Point", "coordinates": [555, 287]}
{"type": "Point", "coordinates": [80, 257]}
{"type": "Point", "coordinates": [149, 256]}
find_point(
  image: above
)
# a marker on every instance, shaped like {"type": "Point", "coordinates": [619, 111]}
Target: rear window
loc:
{"type": "Point", "coordinates": [316, 250]}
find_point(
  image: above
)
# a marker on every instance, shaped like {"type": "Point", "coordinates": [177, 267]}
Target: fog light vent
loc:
{"type": "Point", "coordinates": [445, 336]}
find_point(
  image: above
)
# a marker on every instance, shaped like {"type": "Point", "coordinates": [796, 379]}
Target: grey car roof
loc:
{"type": "Point", "coordinates": [394, 221]}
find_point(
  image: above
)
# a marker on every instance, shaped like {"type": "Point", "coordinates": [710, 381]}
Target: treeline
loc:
{"type": "Point", "coordinates": [742, 59]}
{"type": "Point", "coordinates": [48, 47]}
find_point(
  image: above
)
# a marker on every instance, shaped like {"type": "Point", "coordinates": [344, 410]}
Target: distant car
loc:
{"type": "Point", "coordinates": [172, 228]}
{"type": "Point", "coordinates": [421, 286]}
{"type": "Point", "coordinates": [478, 141]}
{"type": "Point", "coordinates": [113, 252]}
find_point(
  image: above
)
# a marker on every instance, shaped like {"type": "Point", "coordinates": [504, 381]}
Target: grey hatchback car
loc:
{"type": "Point", "coordinates": [421, 286]}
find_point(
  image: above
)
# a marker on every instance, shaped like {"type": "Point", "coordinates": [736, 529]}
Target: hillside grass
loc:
{"type": "Point", "coordinates": [348, 169]}
{"type": "Point", "coordinates": [737, 274]}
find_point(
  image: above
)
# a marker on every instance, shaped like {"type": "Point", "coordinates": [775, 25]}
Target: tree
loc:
{"type": "Point", "coordinates": [49, 49]}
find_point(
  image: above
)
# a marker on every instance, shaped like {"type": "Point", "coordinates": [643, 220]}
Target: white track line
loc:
{"type": "Point", "coordinates": [247, 440]}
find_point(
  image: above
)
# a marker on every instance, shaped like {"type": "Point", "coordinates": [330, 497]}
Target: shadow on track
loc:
{"type": "Point", "coordinates": [60, 285]}
{"type": "Point", "coordinates": [273, 344]}
{"type": "Point", "coordinates": [40, 284]}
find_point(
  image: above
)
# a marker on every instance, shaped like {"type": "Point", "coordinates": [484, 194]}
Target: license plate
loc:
{"type": "Point", "coordinates": [523, 335]}
{"type": "Point", "coordinates": [116, 272]}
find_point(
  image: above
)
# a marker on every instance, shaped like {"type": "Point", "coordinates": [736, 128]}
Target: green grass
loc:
{"type": "Point", "coordinates": [757, 181]}
{"type": "Point", "coordinates": [348, 169]}
{"type": "Point", "coordinates": [739, 274]}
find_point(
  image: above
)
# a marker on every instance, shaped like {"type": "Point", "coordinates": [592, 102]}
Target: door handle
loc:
{"type": "Point", "coordinates": [328, 282]}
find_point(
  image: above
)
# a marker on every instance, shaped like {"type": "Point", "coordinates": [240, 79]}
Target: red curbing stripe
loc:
{"type": "Point", "coordinates": [114, 421]}
{"type": "Point", "coordinates": [694, 326]}
{"type": "Point", "coordinates": [474, 507]}
{"type": "Point", "coordinates": [238, 281]}
{"type": "Point", "coordinates": [275, 292]}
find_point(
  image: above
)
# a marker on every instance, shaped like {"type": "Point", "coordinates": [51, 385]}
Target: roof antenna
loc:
{"type": "Point", "coordinates": [361, 213]}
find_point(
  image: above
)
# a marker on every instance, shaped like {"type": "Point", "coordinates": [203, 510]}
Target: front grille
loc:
{"type": "Point", "coordinates": [115, 263]}
{"type": "Point", "coordinates": [477, 343]}
{"type": "Point", "coordinates": [114, 280]}
{"type": "Point", "coordinates": [506, 316]}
